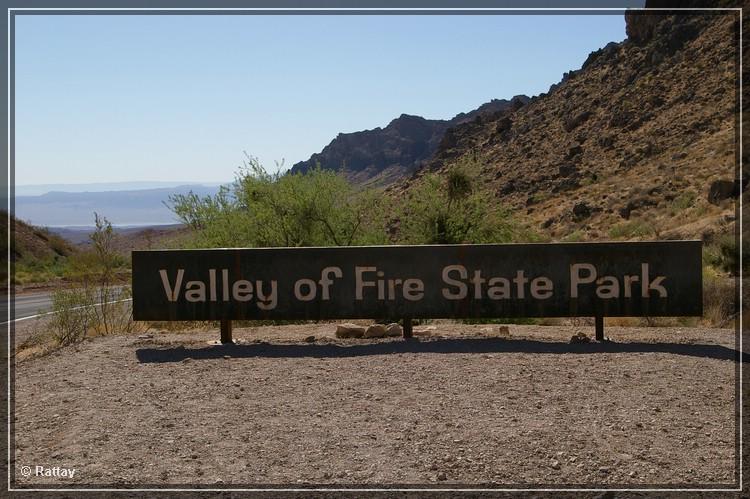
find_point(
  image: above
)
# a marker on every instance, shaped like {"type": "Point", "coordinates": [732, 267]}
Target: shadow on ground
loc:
{"type": "Point", "coordinates": [454, 345]}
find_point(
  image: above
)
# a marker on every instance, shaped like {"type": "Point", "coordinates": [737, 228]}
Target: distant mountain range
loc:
{"type": "Point", "coordinates": [122, 207]}
{"type": "Point", "coordinates": [382, 156]}
{"type": "Point", "coordinates": [39, 189]}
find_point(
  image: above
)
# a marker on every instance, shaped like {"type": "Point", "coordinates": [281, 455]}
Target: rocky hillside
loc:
{"type": "Point", "coordinates": [638, 143]}
{"type": "Point", "coordinates": [34, 243]}
{"type": "Point", "coordinates": [384, 155]}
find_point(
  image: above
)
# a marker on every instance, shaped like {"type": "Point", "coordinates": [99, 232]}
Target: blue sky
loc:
{"type": "Point", "coordinates": [161, 98]}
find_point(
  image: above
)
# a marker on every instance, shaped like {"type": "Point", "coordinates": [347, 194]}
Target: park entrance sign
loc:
{"type": "Point", "coordinates": [448, 281]}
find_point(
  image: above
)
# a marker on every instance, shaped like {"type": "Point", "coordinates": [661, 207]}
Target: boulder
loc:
{"type": "Point", "coordinates": [574, 151]}
{"type": "Point", "coordinates": [721, 190]}
{"type": "Point", "coordinates": [349, 331]}
{"type": "Point", "coordinates": [393, 330]}
{"type": "Point", "coordinates": [581, 210]}
{"type": "Point", "coordinates": [572, 123]}
{"type": "Point", "coordinates": [567, 169]}
{"type": "Point", "coordinates": [375, 331]}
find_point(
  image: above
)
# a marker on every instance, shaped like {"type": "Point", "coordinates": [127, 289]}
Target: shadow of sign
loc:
{"type": "Point", "coordinates": [441, 346]}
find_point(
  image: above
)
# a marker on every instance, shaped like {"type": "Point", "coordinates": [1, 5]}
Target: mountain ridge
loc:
{"type": "Point", "coordinates": [382, 155]}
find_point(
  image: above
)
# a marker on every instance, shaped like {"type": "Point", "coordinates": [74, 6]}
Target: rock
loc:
{"type": "Point", "coordinates": [574, 151]}
{"type": "Point", "coordinates": [508, 188]}
{"type": "Point", "coordinates": [394, 330]}
{"type": "Point", "coordinates": [572, 123]}
{"type": "Point", "coordinates": [441, 476]}
{"type": "Point", "coordinates": [375, 331]}
{"type": "Point", "coordinates": [581, 211]}
{"type": "Point", "coordinates": [679, 155]}
{"type": "Point", "coordinates": [503, 125]}
{"type": "Point", "coordinates": [580, 337]}
{"type": "Point", "coordinates": [566, 184]}
{"type": "Point", "coordinates": [349, 331]}
{"type": "Point", "coordinates": [423, 331]}
{"type": "Point", "coordinates": [310, 339]}
{"type": "Point", "coordinates": [640, 26]}
{"type": "Point", "coordinates": [721, 190]}
{"type": "Point", "coordinates": [606, 141]}
{"type": "Point", "coordinates": [555, 464]}
{"type": "Point", "coordinates": [635, 204]}
{"type": "Point", "coordinates": [567, 169]}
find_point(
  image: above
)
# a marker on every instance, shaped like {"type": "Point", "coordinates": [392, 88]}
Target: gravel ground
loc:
{"type": "Point", "coordinates": [464, 405]}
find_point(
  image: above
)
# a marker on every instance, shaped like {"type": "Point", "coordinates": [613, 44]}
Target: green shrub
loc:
{"type": "Point", "coordinates": [317, 208]}
{"type": "Point", "coordinates": [723, 254]}
{"type": "Point", "coordinates": [682, 202]}
{"type": "Point", "coordinates": [633, 228]}
{"type": "Point", "coordinates": [452, 210]}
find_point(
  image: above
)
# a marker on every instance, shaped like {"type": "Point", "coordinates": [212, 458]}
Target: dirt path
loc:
{"type": "Point", "coordinates": [463, 406]}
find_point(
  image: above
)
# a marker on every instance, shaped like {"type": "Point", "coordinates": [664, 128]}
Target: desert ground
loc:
{"type": "Point", "coordinates": [458, 405]}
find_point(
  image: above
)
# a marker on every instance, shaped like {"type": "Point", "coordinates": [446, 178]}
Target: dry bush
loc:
{"type": "Point", "coordinates": [719, 300]}
{"type": "Point", "coordinates": [72, 316]}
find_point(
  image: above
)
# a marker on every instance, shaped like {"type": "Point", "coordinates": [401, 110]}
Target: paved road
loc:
{"type": "Point", "coordinates": [27, 304]}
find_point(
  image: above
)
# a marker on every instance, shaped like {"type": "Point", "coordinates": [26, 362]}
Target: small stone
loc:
{"type": "Point", "coordinates": [310, 339]}
{"type": "Point", "coordinates": [604, 470]}
{"type": "Point", "coordinates": [375, 331]}
{"type": "Point", "coordinates": [393, 329]}
{"type": "Point", "coordinates": [442, 476]}
{"type": "Point", "coordinates": [349, 331]}
{"type": "Point", "coordinates": [580, 337]}
{"type": "Point", "coordinates": [555, 464]}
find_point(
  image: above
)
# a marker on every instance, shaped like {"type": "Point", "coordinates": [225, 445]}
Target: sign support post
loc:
{"type": "Point", "coordinates": [599, 327]}
{"type": "Point", "coordinates": [408, 330]}
{"type": "Point", "coordinates": [226, 332]}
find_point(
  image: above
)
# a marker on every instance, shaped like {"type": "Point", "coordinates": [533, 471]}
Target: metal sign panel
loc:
{"type": "Point", "coordinates": [660, 278]}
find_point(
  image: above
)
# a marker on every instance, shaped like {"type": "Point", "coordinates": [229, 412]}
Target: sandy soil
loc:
{"type": "Point", "coordinates": [466, 405]}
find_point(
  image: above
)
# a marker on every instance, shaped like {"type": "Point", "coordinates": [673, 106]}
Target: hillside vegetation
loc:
{"type": "Point", "coordinates": [637, 144]}
{"type": "Point", "coordinates": [38, 254]}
